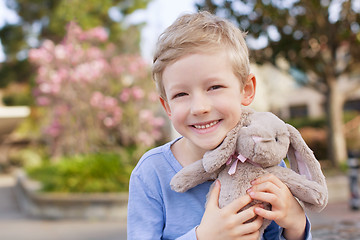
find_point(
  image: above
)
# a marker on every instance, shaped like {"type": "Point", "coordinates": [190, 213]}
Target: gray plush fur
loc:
{"type": "Point", "coordinates": [266, 141]}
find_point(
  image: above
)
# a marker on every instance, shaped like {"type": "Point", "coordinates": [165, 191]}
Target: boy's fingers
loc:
{"type": "Point", "coordinates": [265, 213]}
{"type": "Point", "coordinates": [214, 195]}
{"type": "Point", "coordinates": [268, 178]}
{"type": "Point", "coordinates": [267, 187]}
{"type": "Point", "coordinates": [239, 203]}
{"type": "Point", "coordinates": [247, 214]}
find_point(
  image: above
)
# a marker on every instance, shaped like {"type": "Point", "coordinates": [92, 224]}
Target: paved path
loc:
{"type": "Point", "coordinates": [336, 222]}
{"type": "Point", "coordinates": [16, 226]}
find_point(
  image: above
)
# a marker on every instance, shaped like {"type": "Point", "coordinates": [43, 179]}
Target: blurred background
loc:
{"type": "Point", "coordinates": [78, 107]}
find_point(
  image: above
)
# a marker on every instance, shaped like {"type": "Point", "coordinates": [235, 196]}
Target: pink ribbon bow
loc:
{"type": "Point", "coordinates": [234, 159]}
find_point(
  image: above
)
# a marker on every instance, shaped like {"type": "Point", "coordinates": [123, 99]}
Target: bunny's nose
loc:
{"type": "Point", "coordinates": [258, 139]}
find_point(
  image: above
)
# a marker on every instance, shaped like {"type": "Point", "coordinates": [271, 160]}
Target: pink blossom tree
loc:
{"type": "Point", "coordinates": [95, 97]}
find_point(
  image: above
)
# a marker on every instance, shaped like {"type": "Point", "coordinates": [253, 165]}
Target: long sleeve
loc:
{"type": "Point", "coordinates": [145, 212]}
{"type": "Point", "coordinates": [275, 232]}
{"type": "Point", "coordinates": [191, 235]}
{"type": "Point", "coordinates": [154, 210]}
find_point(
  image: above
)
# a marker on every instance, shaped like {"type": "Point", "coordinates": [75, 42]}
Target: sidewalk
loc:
{"type": "Point", "coordinates": [336, 221]}
{"type": "Point", "coordinates": [16, 226]}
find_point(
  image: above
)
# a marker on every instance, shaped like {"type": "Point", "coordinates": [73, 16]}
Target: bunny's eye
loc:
{"type": "Point", "coordinates": [276, 139]}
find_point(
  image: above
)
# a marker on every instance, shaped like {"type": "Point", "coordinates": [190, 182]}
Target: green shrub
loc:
{"type": "Point", "coordinates": [314, 132]}
{"type": "Point", "coordinates": [101, 172]}
{"type": "Point", "coordinates": [17, 99]}
{"type": "Point", "coordinates": [319, 122]}
{"type": "Point", "coordinates": [307, 122]}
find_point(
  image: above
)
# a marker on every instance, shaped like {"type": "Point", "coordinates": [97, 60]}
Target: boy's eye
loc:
{"type": "Point", "coordinates": [215, 87]}
{"type": "Point", "coordinates": [179, 95]}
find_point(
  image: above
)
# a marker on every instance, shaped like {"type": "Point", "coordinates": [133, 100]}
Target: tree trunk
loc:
{"type": "Point", "coordinates": [337, 152]}
{"type": "Point", "coordinates": [1, 98]}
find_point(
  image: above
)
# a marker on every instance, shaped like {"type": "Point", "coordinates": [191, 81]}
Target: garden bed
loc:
{"type": "Point", "coordinates": [98, 206]}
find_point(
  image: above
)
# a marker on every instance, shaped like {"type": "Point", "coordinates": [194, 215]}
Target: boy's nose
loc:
{"type": "Point", "coordinates": [200, 105]}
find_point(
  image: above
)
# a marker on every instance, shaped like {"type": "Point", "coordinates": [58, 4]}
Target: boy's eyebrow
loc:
{"type": "Point", "coordinates": [214, 79]}
{"type": "Point", "coordinates": [209, 80]}
{"type": "Point", "coordinates": [176, 86]}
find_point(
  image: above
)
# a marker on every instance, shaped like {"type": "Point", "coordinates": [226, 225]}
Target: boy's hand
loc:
{"type": "Point", "coordinates": [227, 223]}
{"type": "Point", "coordinates": [286, 210]}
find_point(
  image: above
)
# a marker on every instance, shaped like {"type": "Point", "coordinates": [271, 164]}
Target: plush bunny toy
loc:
{"type": "Point", "coordinates": [255, 147]}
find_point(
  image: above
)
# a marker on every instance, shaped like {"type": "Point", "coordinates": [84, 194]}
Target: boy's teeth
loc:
{"type": "Point", "coordinates": [206, 125]}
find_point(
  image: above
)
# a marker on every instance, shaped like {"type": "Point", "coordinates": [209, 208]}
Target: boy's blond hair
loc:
{"type": "Point", "coordinates": [200, 33]}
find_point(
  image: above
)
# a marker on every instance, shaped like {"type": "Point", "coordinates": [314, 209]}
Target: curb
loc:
{"type": "Point", "coordinates": [91, 206]}
{"type": "Point", "coordinates": [338, 187]}
{"type": "Point", "coordinates": [111, 206]}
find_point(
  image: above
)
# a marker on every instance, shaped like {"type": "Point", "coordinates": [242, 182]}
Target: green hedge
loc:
{"type": "Point", "coordinates": [314, 136]}
{"type": "Point", "coordinates": [102, 172]}
{"type": "Point", "coordinates": [307, 122]}
{"type": "Point", "coordinates": [320, 122]}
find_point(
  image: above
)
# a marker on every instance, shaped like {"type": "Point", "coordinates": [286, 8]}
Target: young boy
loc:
{"type": "Point", "coordinates": [201, 69]}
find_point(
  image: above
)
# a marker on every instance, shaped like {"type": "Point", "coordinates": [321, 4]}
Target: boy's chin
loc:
{"type": "Point", "coordinates": [212, 146]}
{"type": "Point", "coordinates": [218, 144]}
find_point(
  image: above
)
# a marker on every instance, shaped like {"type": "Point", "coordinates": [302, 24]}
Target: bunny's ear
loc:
{"type": "Point", "coordinates": [302, 159]}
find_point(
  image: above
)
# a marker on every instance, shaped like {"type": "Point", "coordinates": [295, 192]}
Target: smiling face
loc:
{"type": "Point", "coordinates": [204, 98]}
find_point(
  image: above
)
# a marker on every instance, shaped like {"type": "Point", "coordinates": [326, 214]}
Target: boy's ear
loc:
{"type": "Point", "coordinates": [248, 91]}
{"type": "Point", "coordinates": [166, 106]}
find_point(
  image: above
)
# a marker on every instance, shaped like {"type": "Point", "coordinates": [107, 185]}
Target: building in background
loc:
{"type": "Point", "coordinates": [278, 92]}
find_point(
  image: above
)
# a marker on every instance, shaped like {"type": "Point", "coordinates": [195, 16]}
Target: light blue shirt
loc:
{"type": "Point", "coordinates": [157, 212]}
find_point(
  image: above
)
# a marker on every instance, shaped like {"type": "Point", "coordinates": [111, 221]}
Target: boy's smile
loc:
{"type": "Point", "coordinates": [204, 98]}
{"type": "Point", "coordinates": [206, 125]}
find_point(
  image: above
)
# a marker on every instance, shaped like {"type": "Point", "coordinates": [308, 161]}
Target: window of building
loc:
{"type": "Point", "coordinates": [351, 105]}
{"type": "Point", "coordinates": [299, 111]}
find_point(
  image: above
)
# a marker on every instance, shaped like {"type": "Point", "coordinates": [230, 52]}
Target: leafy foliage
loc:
{"type": "Point", "coordinates": [306, 33]}
{"type": "Point", "coordinates": [46, 19]}
{"type": "Point", "coordinates": [95, 96]}
{"type": "Point", "coordinates": [101, 172]}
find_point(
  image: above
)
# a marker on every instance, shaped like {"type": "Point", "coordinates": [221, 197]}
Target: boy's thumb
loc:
{"type": "Point", "coordinates": [214, 194]}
